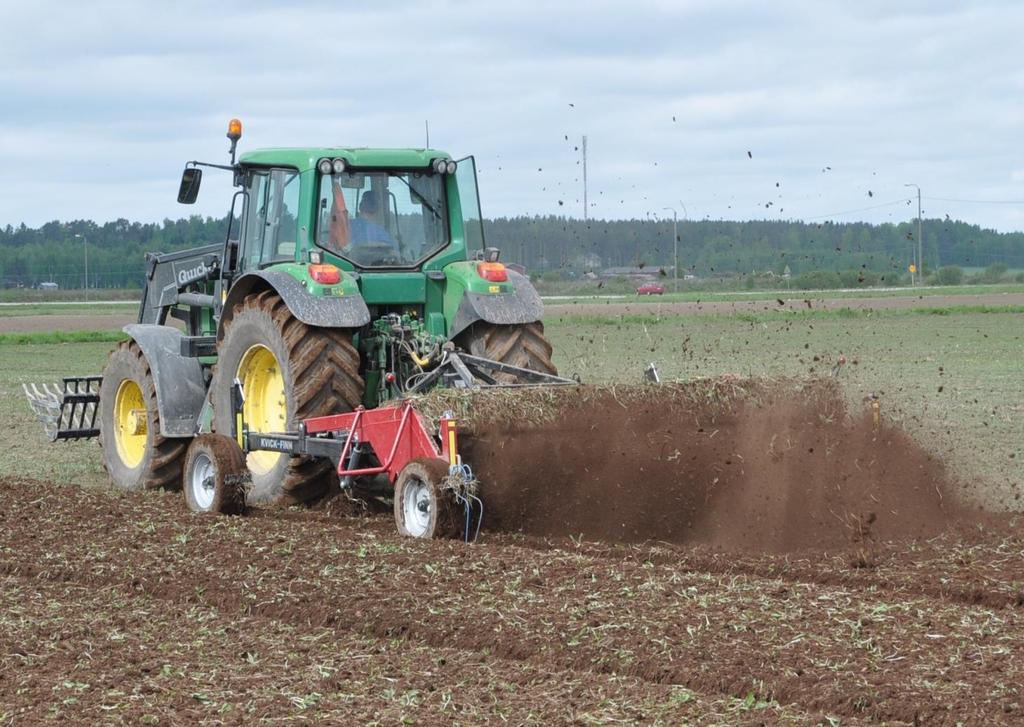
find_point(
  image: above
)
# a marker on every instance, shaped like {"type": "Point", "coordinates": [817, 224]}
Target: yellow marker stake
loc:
{"type": "Point", "coordinates": [453, 455]}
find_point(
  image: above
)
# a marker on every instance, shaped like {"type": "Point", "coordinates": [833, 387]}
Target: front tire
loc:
{"type": "Point", "coordinates": [215, 475]}
{"type": "Point", "coordinates": [289, 372]}
{"type": "Point", "coordinates": [135, 454]}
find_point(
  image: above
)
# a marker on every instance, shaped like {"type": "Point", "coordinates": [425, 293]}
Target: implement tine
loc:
{"type": "Point", "coordinates": [46, 407]}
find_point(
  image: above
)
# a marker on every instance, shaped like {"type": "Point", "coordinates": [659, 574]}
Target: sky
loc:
{"type": "Point", "coordinates": [720, 109]}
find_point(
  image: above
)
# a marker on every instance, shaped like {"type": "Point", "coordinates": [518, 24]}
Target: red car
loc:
{"type": "Point", "coordinates": [650, 289]}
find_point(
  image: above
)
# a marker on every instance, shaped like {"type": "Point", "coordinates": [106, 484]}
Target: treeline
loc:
{"type": "Point", "coordinates": [56, 251]}
{"type": "Point", "coordinates": [710, 248]}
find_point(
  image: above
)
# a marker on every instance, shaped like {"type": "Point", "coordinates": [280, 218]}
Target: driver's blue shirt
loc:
{"type": "Point", "coordinates": [363, 231]}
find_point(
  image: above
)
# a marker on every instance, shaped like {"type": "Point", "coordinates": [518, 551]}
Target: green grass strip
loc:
{"type": "Point", "coordinates": [20, 339]}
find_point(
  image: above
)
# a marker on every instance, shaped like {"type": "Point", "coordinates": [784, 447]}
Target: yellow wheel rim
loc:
{"type": "Point", "coordinates": [130, 423]}
{"type": "Point", "coordinates": [265, 408]}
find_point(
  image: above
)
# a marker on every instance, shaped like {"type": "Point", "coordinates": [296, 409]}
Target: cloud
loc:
{"type": "Point", "coordinates": [105, 101]}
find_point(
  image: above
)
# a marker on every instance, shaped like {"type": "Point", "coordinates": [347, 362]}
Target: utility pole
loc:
{"type": "Point", "coordinates": [85, 245]}
{"type": "Point", "coordinates": [920, 242]}
{"type": "Point", "coordinates": [584, 178]}
{"type": "Point", "coordinates": [675, 250]}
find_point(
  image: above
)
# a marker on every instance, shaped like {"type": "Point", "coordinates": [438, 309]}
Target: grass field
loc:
{"type": "Point", "coordinates": [16, 310]}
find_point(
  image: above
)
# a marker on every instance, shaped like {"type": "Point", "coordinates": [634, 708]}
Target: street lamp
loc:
{"type": "Point", "coordinates": [686, 216]}
{"type": "Point", "coordinates": [920, 245]}
{"type": "Point", "coordinates": [85, 246]}
{"type": "Point", "coordinates": [675, 249]}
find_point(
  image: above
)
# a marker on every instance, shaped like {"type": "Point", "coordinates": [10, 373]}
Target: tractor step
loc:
{"type": "Point", "coordinates": [68, 411]}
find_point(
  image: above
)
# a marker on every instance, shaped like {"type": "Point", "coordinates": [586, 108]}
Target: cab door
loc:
{"type": "Point", "coordinates": [270, 231]}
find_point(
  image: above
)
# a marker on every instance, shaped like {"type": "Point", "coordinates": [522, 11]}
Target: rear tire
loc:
{"type": "Point", "coordinates": [215, 475]}
{"type": "Point", "coordinates": [424, 508]}
{"type": "Point", "coordinates": [135, 454]}
{"type": "Point", "coordinates": [315, 371]}
{"type": "Point", "coordinates": [522, 345]}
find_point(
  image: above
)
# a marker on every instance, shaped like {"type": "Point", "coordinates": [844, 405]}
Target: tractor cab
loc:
{"type": "Point", "coordinates": [359, 209]}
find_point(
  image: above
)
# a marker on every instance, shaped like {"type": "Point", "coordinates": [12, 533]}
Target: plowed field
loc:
{"type": "Point", "coordinates": [129, 609]}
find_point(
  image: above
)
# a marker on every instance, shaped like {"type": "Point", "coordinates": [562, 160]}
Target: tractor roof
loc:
{"type": "Point", "coordinates": [306, 157]}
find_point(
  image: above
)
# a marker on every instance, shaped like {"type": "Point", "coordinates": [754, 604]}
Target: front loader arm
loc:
{"type": "Point", "coordinates": [178, 278]}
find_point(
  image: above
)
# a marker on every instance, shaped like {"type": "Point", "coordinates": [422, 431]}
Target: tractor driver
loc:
{"type": "Point", "coordinates": [366, 229]}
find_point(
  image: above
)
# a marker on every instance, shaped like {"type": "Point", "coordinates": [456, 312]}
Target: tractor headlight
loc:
{"type": "Point", "coordinates": [338, 165]}
{"type": "Point", "coordinates": [439, 165]}
{"type": "Point", "coordinates": [325, 166]}
{"type": "Point", "coordinates": [450, 166]}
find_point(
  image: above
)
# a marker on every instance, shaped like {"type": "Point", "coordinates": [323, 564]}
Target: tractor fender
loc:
{"type": "Point", "coordinates": [179, 381]}
{"type": "Point", "coordinates": [523, 305]}
{"type": "Point", "coordinates": [346, 311]}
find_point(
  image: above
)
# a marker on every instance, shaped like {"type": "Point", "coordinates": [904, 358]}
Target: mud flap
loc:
{"type": "Point", "coordinates": [180, 384]}
{"type": "Point", "coordinates": [521, 306]}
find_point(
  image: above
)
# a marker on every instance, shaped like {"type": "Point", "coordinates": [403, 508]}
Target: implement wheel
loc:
{"type": "Point", "coordinates": [135, 454]}
{"type": "Point", "coordinates": [215, 475]}
{"type": "Point", "coordinates": [289, 372]}
{"type": "Point", "coordinates": [522, 345]}
{"type": "Point", "coordinates": [423, 507]}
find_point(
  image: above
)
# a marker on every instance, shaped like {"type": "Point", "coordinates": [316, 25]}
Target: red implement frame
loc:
{"type": "Point", "coordinates": [397, 431]}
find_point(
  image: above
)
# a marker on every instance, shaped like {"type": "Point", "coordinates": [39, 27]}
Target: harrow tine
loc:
{"type": "Point", "coordinates": [46, 406]}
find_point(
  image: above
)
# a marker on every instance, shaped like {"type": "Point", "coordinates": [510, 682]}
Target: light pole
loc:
{"type": "Point", "coordinates": [920, 245]}
{"type": "Point", "coordinates": [85, 246]}
{"type": "Point", "coordinates": [675, 249]}
{"type": "Point", "coordinates": [686, 216]}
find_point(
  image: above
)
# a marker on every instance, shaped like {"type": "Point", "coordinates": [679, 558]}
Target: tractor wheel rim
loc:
{"type": "Point", "coordinates": [131, 445]}
{"type": "Point", "coordinates": [202, 481]}
{"type": "Point", "coordinates": [416, 507]}
{"type": "Point", "coordinates": [265, 407]}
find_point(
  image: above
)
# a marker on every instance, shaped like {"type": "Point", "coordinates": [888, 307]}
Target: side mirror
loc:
{"type": "Point", "coordinates": [232, 261]}
{"type": "Point", "coordinates": [189, 189]}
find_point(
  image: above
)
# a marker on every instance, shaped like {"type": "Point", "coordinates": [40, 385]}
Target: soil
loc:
{"type": "Point", "coordinates": [796, 301]}
{"type": "Point", "coordinates": [34, 323]}
{"type": "Point", "coordinates": [786, 469]}
{"type": "Point", "coordinates": [126, 607]}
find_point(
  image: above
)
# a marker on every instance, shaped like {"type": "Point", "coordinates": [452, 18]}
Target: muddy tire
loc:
{"type": "Point", "coordinates": [289, 372]}
{"type": "Point", "coordinates": [135, 454]}
{"type": "Point", "coordinates": [522, 345]}
{"type": "Point", "coordinates": [423, 507]}
{"type": "Point", "coordinates": [215, 476]}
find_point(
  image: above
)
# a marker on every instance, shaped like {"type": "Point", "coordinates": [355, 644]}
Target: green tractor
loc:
{"type": "Point", "coordinates": [355, 276]}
